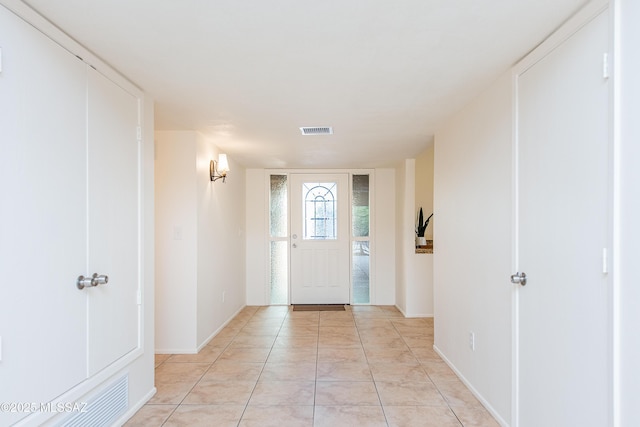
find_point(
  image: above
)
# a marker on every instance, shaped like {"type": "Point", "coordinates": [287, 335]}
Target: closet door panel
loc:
{"type": "Point", "coordinates": [113, 221]}
{"type": "Point", "coordinates": [43, 228]}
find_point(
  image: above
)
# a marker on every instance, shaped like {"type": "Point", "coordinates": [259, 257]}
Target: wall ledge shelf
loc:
{"type": "Point", "coordinates": [426, 249]}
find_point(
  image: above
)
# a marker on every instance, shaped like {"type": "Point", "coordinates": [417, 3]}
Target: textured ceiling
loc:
{"type": "Point", "coordinates": [248, 74]}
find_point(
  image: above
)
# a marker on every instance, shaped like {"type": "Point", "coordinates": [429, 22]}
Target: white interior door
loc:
{"type": "Point", "coordinates": [114, 250]}
{"type": "Point", "coordinates": [320, 239]}
{"type": "Point", "coordinates": [563, 182]}
{"type": "Point", "coordinates": [42, 217]}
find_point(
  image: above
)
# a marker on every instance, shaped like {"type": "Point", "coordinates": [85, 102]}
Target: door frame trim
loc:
{"type": "Point", "coordinates": [372, 239]}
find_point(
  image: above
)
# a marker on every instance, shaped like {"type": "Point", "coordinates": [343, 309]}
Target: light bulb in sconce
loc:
{"type": "Point", "coordinates": [223, 164]}
{"type": "Point", "coordinates": [218, 169]}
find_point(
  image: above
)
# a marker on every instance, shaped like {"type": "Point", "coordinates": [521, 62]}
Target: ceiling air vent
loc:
{"type": "Point", "coordinates": [317, 130]}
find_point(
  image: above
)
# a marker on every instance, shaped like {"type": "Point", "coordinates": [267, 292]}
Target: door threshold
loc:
{"type": "Point", "coordinates": [318, 307]}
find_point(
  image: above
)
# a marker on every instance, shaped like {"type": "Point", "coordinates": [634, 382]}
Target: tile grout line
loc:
{"type": "Point", "coordinates": [197, 381]}
{"type": "Point", "coordinates": [375, 385]}
{"type": "Point", "coordinates": [428, 375]}
{"type": "Point", "coordinates": [410, 332]}
{"type": "Point", "coordinates": [263, 366]}
{"type": "Point", "coordinates": [315, 381]}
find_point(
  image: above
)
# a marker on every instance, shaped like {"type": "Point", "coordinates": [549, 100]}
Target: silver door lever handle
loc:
{"type": "Point", "coordinates": [519, 278]}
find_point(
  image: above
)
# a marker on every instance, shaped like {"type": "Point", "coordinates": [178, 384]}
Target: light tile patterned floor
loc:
{"type": "Point", "coordinates": [270, 366]}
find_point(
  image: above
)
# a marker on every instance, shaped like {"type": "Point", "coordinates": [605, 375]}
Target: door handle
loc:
{"type": "Point", "coordinates": [519, 278]}
{"type": "Point", "coordinates": [102, 279]}
{"type": "Point", "coordinates": [95, 280]}
{"type": "Point", "coordinates": [294, 246]}
{"type": "Point", "coordinates": [83, 282]}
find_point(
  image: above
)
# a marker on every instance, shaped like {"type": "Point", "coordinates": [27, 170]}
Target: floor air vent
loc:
{"type": "Point", "coordinates": [317, 130]}
{"type": "Point", "coordinates": [104, 408]}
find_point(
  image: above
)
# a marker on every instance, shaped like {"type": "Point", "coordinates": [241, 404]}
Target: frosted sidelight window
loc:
{"type": "Point", "coordinates": [360, 240]}
{"type": "Point", "coordinates": [319, 210]}
{"type": "Point", "coordinates": [278, 217]}
{"type": "Point", "coordinates": [360, 272]}
{"type": "Point", "coordinates": [278, 236]}
{"type": "Point", "coordinates": [279, 272]}
{"type": "Point", "coordinates": [360, 206]}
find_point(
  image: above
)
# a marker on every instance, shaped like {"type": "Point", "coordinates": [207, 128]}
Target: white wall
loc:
{"type": "Point", "coordinates": [384, 223]}
{"type": "Point", "coordinates": [420, 290]}
{"type": "Point", "coordinates": [407, 238]}
{"type": "Point", "coordinates": [414, 277]}
{"type": "Point", "coordinates": [472, 259]}
{"type": "Point", "coordinates": [175, 229]}
{"type": "Point", "coordinates": [199, 243]}
{"type": "Point", "coordinates": [423, 263]}
{"type": "Point", "coordinates": [627, 232]}
{"type": "Point", "coordinates": [221, 245]}
{"type": "Point", "coordinates": [256, 232]}
{"type": "Point", "coordinates": [401, 236]}
{"type": "Point", "coordinates": [424, 187]}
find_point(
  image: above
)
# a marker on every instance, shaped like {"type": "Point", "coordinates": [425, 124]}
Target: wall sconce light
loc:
{"type": "Point", "coordinates": [219, 169]}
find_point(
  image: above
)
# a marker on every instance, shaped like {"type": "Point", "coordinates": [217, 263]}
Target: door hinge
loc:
{"type": "Point", "coordinates": [139, 133]}
{"type": "Point", "coordinates": [139, 297]}
{"type": "Point", "coordinates": [605, 66]}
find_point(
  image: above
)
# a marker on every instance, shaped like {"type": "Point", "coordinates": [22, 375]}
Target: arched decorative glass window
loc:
{"type": "Point", "coordinates": [320, 219]}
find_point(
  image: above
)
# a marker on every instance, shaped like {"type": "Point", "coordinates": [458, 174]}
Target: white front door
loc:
{"type": "Point", "coordinates": [320, 239]}
{"type": "Point", "coordinates": [563, 226]}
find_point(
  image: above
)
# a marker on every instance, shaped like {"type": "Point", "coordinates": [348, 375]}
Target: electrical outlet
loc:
{"type": "Point", "coordinates": [472, 341]}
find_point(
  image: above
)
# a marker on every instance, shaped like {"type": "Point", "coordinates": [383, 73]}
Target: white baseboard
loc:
{"type": "Point", "coordinates": [204, 343]}
{"type": "Point", "coordinates": [217, 331]}
{"type": "Point", "coordinates": [412, 315]}
{"type": "Point", "coordinates": [176, 351]}
{"type": "Point", "coordinates": [418, 316]}
{"type": "Point", "coordinates": [135, 408]}
{"type": "Point", "coordinates": [475, 392]}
